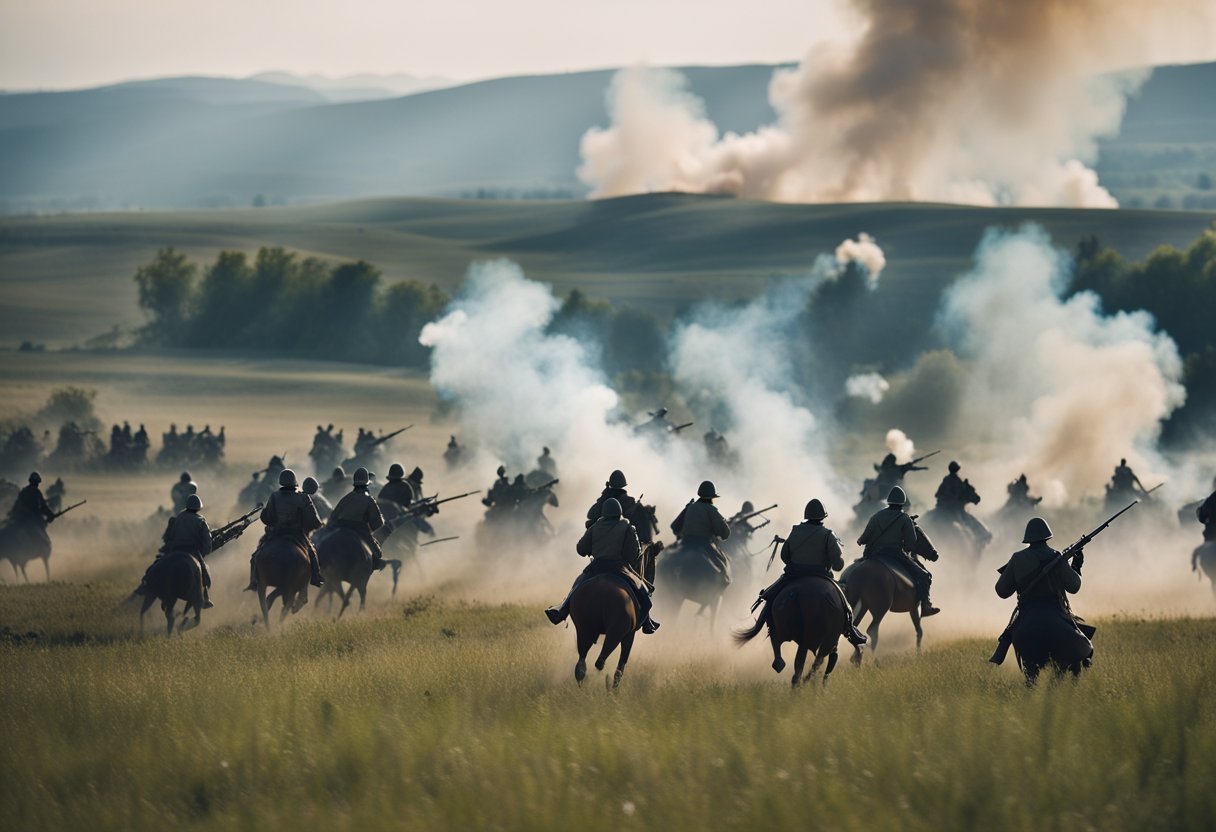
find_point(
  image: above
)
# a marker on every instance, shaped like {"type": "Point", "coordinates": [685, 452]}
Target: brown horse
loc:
{"type": "Point", "coordinates": [21, 543]}
{"type": "Point", "coordinates": [874, 588]}
{"type": "Point", "coordinates": [171, 577]}
{"type": "Point", "coordinates": [603, 607]}
{"type": "Point", "coordinates": [810, 613]}
{"type": "Point", "coordinates": [282, 563]}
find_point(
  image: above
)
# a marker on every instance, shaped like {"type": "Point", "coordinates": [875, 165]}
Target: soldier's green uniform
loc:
{"type": "Point", "coordinates": [188, 532]}
{"type": "Point", "coordinates": [700, 525]}
{"type": "Point", "coordinates": [953, 496]}
{"type": "Point", "coordinates": [359, 512]}
{"type": "Point", "coordinates": [289, 513]}
{"type": "Point", "coordinates": [892, 533]}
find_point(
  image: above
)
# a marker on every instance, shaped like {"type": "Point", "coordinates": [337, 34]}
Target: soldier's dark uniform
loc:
{"type": "Point", "coordinates": [1207, 516]}
{"type": "Point", "coordinates": [188, 532]}
{"type": "Point", "coordinates": [336, 486]}
{"type": "Point", "coordinates": [498, 497]}
{"type": "Point", "coordinates": [181, 489]}
{"type": "Point", "coordinates": [631, 509]}
{"type": "Point", "coordinates": [359, 512]}
{"type": "Point", "coordinates": [952, 496]}
{"type": "Point", "coordinates": [289, 513]}
{"type": "Point", "coordinates": [31, 510]}
{"type": "Point", "coordinates": [892, 533]}
{"type": "Point", "coordinates": [700, 526]}
{"type": "Point", "coordinates": [397, 489]}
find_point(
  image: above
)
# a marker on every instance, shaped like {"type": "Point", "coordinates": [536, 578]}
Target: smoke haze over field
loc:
{"type": "Point", "coordinates": [952, 100]}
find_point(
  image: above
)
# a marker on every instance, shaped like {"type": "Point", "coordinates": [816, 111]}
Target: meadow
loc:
{"type": "Point", "coordinates": [433, 713]}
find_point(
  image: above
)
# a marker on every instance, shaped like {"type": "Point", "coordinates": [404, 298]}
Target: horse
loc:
{"type": "Point", "coordinates": [873, 587]}
{"type": "Point", "coordinates": [810, 613]}
{"type": "Point", "coordinates": [951, 529]}
{"type": "Point", "coordinates": [21, 543]}
{"type": "Point", "coordinates": [282, 563]}
{"type": "Point", "coordinates": [688, 574]}
{"type": "Point", "coordinates": [603, 607]}
{"type": "Point", "coordinates": [1204, 558]}
{"type": "Point", "coordinates": [174, 576]}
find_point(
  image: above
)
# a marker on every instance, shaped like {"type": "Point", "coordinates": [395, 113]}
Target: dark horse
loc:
{"type": "Point", "coordinates": [874, 587]}
{"type": "Point", "coordinates": [951, 531]}
{"type": "Point", "coordinates": [810, 613]}
{"type": "Point", "coordinates": [346, 559]}
{"type": "Point", "coordinates": [686, 573]}
{"type": "Point", "coordinates": [1204, 557]}
{"type": "Point", "coordinates": [604, 607]}
{"type": "Point", "coordinates": [171, 577]}
{"type": "Point", "coordinates": [282, 563]}
{"type": "Point", "coordinates": [21, 543]}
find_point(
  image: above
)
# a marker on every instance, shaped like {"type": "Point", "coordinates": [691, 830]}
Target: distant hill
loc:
{"type": "Point", "coordinates": [184, 143]}
{"type": "Point", "coordinates": [362, 87]}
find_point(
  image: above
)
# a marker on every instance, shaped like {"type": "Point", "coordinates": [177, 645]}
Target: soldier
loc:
{"type": "Point", "coordinates": [700, 525]}
{"type": "Point", "coordinates": [188, 532]}
{"type": "Point", "coordinates": [324, 507]}
{"type": "Point", "coordinates": [1124, 486]}
{"type": "Point", "coordinates": [1207, 515]}
{"type": "Point", "coordinates": [289, 513]}
{"type": "Point", "coordinates": [612, 544]}
{"type": "Point", "coordinates": [812, 550]}
{"type": "Point", "coordinates": [415, 481]}
{"type": "Point", "coordinates": [451, 454]}
{"type": "Point", "coordinates": [398, 489]}
{"type": "Point", "coordinates": [1043, 609]}
{"type": "Point", "coordinates": [1019, 494]}
{"type": "Point", "coordinates": [517, 491]}
{"type": "Point", "coordinates": [953, 496]}
{"type": "Point", "coordinates": [631, 509]}
{"type": "Point", "coordinates": [497, 499]}
{"type": "Point", "coordinates": [336, 486]}
{"type": "Point", "coordinates": [358, 511]}
{"type": "Point", "coordinates": [182, 489]}
{"type": "Point", "coordinates": [892, 533]}
{"type": "Point", "coordinates": [31, 508]}
{"type": "Point", "coordinates": [547, 464]}
{"type": "Point", "coordinates": [139, 451]}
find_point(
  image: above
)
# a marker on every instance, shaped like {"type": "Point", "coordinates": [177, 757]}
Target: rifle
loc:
{"type": "Point", "coordinates": [380, 440]}
{"type": "Point", "coordinates": [66, 510]}
{"type": "Point", "coordinates": [427, 503]}
{"type": "Point", "coordinates": [440, 540]}
{"type": "Point", "coordinates": [777, 541]}
{"type": "Point", "coordinates": [231, 531]}
{"type": "Point", "coordinates": [740, 517]}
{"type": "Point", "coordinates": [546, 486]}
{"type": "Point", "coordinates": [1006, 639]}
{"type": "Point", "coordinates": [911, 466]}
{"type": "Point", "coordinates": [678, 428]}
{"type": "Point", "coordinates": [1154, 488]}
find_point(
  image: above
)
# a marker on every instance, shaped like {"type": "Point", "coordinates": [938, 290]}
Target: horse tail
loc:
{"type": "Point", "coordinates": [742, 637]}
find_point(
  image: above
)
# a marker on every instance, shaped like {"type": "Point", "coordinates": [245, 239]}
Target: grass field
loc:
{"type": "Point", "coordinates": [431, 714]}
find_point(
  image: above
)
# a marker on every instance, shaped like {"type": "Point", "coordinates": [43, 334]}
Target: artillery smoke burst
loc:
{"type": "Point", "coordinates": [869, 386]}
{"type": "Point", "coordinates": [957, 100]}
{"type": "Point", "coordinates": [1060, 389]}
{"type": "Point", "coordinates": [900, 444]}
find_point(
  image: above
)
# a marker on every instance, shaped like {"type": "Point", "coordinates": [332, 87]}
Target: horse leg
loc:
{"type": "Point", "coordinates": [585, 641]}
{"type": "Point", "coordinates": [799, 664]}
{"type": "Point", "coordinates": [920, 633]}
{"type": "Point", "coordinates": [168, 606]}
{"type": "Point", "coordinates": [346, 596]}
{"type": "Point", "coordinates": [833, 657]}
{"type": "Point", "coordinates": [872, 631]}
{"type": "Point", "coordinates": [362, 597]}
{"type": "Point", "coordinates": [23, 575]}
{"type": "Point", "coordinates": [778, 662]}
{"type": "Point", "coordinates": [264, 604]}
{"type": "Point", "coordinates": [626, 648]}
{"type": "Point", "coordinates": [149, 600]}
{"type": "Point", "coordinates": [611, 640]}
{"type": "Point", "coordinates": [46, 563]}
{"type": "Point", "coordinates": [819, 657]}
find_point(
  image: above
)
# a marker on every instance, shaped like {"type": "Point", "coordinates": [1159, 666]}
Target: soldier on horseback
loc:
{"type": "Point", "coordinates": [398, 489]}
{"type": "Point", "coordinates": [631, 509]}
{"type": "Point", "coordinates": [811, 550]}
{"type": "Point", "coordinates": [497, 499]}
{"type": "Point", "coordinates": [311, 488]}
{"type": "Point", "coordinates": [612, 544]}
{"type": "Point", "coordinates": [1019, 495]}
{"type": "Point", "coordinates": [359, 512]}
{"type": "Point", "coordinates": [700, 525]}
{"type": "Point", "coordinates": [335, 487]}
{"type": "Point", "coordinates": [289, 513]}
{"type": "Point", "coordinates": [892, 533]}
{"type": "Point", "coordinates": [31, 509]}
{"type": "Point", "coordinates": [953, 496]}
{"type": "Point", "coordinates": [182, 489]}
{"type": "Point", "coordinates": [187, 532]}
{"type": "Point", "coordinates": [1124, 485]}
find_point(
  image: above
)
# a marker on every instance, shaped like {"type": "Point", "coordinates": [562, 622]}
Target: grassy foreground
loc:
{"type": "Point", "coordinates": [450, 715]}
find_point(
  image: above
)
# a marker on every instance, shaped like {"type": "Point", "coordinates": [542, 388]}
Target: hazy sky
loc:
{"type": "Point", "coordinates": [70, 43]}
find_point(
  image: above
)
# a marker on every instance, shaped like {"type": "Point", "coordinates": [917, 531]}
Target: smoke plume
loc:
{"type": "Point", "coordinates": [869, 386]}
{"type": "Point", "coordinates": [900, 444]}
{"type": "Point", "coordinates": [950, 100]}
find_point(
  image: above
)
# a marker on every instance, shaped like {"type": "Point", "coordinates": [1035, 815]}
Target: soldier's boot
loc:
{"type": "Point", "coordinates": [378, 561]}
{"type": "Point", "coordinates": [853, 635]}
{"type": "Point", "coordinates": [557, 615]}
{"type": "Point", "coordinates": [253, 574]}
{"type": "Point", "coordinates": [206, 585]}
{"type": "Point", "coordinates": [315, 566]}
{"type": "Point", "coordinates": [926, 606]}
{"type": "Point", "coordinates": [646, 605]}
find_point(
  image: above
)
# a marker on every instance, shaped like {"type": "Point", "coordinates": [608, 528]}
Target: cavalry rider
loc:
{"type": "Point", "coordinates": [188, 532]}
{"type": "Point", "coordinates": [892, 533]}
{"type": "Point", "coordinates": [311, 488]}
{"type": "Point", "coordinates": [953, 496]}
{"type": "Point", "coordinates": [546, 463]}
{"type": "Point", "coordinates": [359, 512]}
{"type": "Point", "coordinates": [497, 499]}
{"type": "Point", "coordinates": [451, 454]}
{"type": "Point", "coordinates": [1019, 495]}
{"type": "Point", "coordinates": [812, 550]}
{"type": "Point", "coordinates": [182, 489]}
{"type": "Point", "coordinates": [405, 491]}
{"type": "Point", "coordinates": [335, 487]}
{"type": "Point", "coordinates": [631, 509]}
{"type": "Point", "coordinates": [31, 509]}
{"type": "Point", "coordinates": [1124, 485]}
{"type": "Point", "coordinates": [1042, 601]}
{"type": "Point", "coordinates": [1206, 513]}
{"type": "Point", "coordinates": [289, 513]}
{"type": "Point", "coordinates": [700, 525]}
{"type": "Point", "coordinates": [612, 544]}
{"type": "Point", "coordinates": [398, 489]}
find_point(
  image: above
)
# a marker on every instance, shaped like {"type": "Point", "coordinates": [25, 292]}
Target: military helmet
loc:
{"type": "Point", "coordinates": [339, 473]}
{"type": "Point", "coordinates": [310, 485]}
{"type": "Point", "coordinates": [611, 509]}
{"type": "Point", "coordinates": [889, 459]}
{"type": "Point", "coordinates": [747, 507]}
{"type": "Point", "coordinates": [192, 487]}
{"type": "Point", "coordinates": [814, 511]}
{"type": "Point", "coordinates": [953, 466]}
{"type": "Point", "coordinates": [545, 450]}
{"type": "Point", "coordinates": [617, 479]}
{"type": "Point", "coordinates": [287, 478]}
{"type": "Point", "coordinates": [1037, 531]}
{"type": "Point", "coordinates": [502, 470]}
{"type": "Point", "coordinates": [396, 471]}
{"type": "Point", "coordinates": [35, 477]}
{"type": "Point", "coordinates": [706, 491]}
{"type": "Point", "coordinates": [897, 497]}
{"type": "Point", "coordinates": [185, 477]}
{"type": "Point", "coordinates": [276, 460]}
{"type": "Point", "coordinates": [416, 474]}
{"type": "Point", "coordinates": [362, 476]}
{"type": "Point", "coordinates": [1123, 462]}
{"type": "Point", "coordinates": [193, 503]}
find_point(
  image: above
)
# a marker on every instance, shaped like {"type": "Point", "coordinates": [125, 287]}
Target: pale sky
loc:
{"type": "Point", "coordinates": [54, 44]}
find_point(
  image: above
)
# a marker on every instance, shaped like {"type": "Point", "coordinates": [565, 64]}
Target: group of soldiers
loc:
{"type": "Point", "coordinates": [521, 500]}
{"type": "Point", "coordinates": [327, 450]}
{"type": "Point", "coordinates": [128, 449]}
{"type": "Point", "coordinates": [189, 448]}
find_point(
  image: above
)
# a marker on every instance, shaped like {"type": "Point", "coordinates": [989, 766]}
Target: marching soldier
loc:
{"type": "Point", "coordinates": [700, 525]}
{"type": "Point", "coordinates": [359, 512]}
{"type": "Point", "coordinates": [451, 454]}
{"type": "Point", "coordinates": [892, 533]}
{"type": "Point", "coordinates": [1124, 485]}
{"type": "Point", "coordinates": [290, 513]}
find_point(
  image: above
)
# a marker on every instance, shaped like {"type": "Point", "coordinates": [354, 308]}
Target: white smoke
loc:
{"type": "Point", "coordinates": [866, 252]}
{"type": "Point", "coordinates": [900, 444]}
{"type": "Point", "coordinates": [1057, 389]}
{"type": "Point", "coordinates": [870, 386]}
{"type": "Point", "coordinates": [960, 101]}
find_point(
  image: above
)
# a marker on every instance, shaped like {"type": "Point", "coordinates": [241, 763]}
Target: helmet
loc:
{"type": "Point", "coordinates": [339, 473]}
{"type": "Point", "coordinates": [395, 471]}
{"type": "Point", "coordinates": [416, 474]}
{"type": "Point", "coordinates": [617, 479]}
{"type": "Point", "coordinates": [502, 470]}
{"type": "Point", "coordinates": [276, 460]}
{"type": "Point", "coordinates": [889, 459]}
{"type": "Point", "coordinates": [747, 507]}
{"type": "Point", "coordinates": [310, 485]}
{"type": "Point", "coordinates": [1037, 531]}
{"type": "Point", "coordinates": [706, 491]}
{"type": "Point", "coordinates": [897, 497]}
{"type": "Point", "coordinates": [611, 509]}
{"type": "Point", "coordinates": [362, 476]}
{"type": "Point", "coordinates": [185, 477]}
{"type": "Point", "coordinates": [192, 487]}
{"type": "Point", "coordinates": [193, 503]}
{"type": "Point", "coordinates": [35, 477]}
{"type": "Point", "coordinates": [660, 413]}
{"type": "Point", "coordinates": [814, 511]}
{"type": "Point", "coordinates": [953, 466]}
{"type": "Point", "coordinates": [287, 478]}
{"type": "Point", "coordinates": [545, 450]}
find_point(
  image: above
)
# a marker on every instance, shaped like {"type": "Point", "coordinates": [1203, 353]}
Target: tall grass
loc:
{"type": "Point", "coordinates": [450, 715]}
